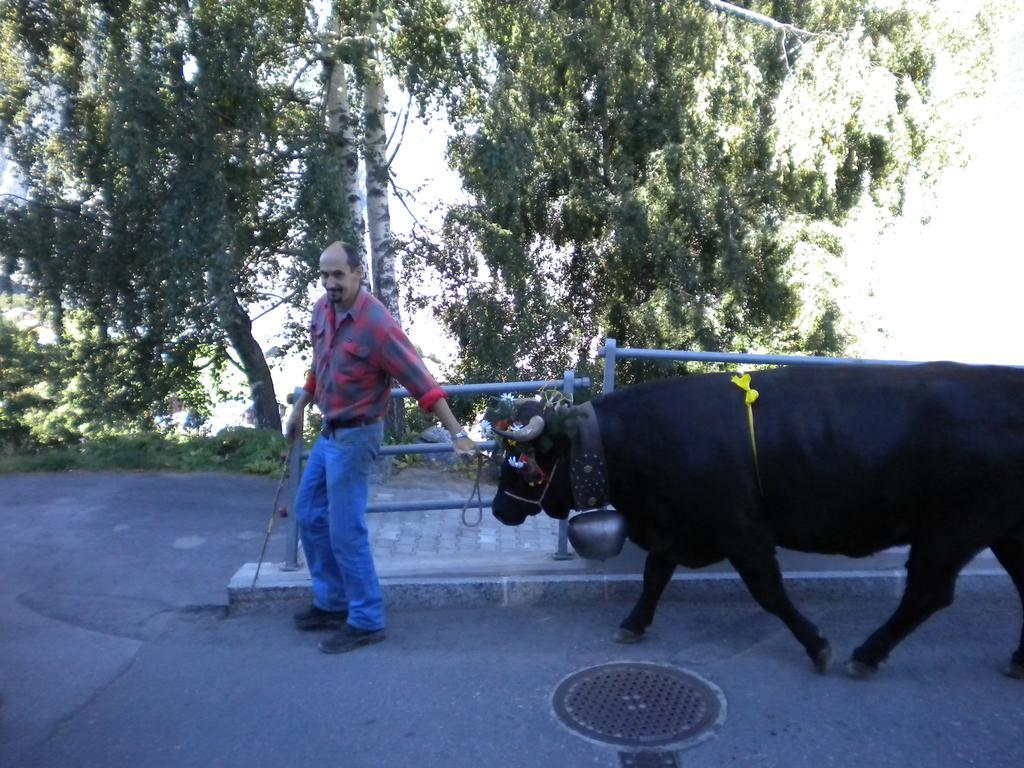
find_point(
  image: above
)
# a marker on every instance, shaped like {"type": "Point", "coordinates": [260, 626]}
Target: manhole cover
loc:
{"type": "Point", "coordinates": [638, 705]}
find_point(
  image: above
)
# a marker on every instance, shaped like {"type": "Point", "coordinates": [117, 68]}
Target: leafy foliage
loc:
{"type": "Point", "coordinates": [60, 394]}
{"type": "Point", "coordinates": [645, 170]}
{"type": "Point", "coordinates": [172, 152]}
{"type": "Point", "coordinates": [663, 175]}
{"type": "Point", "coordinates": [26, 384]}
{"type": "Point", "coordinates": [179, 169]}
{"type": "Point", "coordinates": [429, 46]}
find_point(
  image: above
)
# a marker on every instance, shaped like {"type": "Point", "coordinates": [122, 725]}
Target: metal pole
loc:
{"type": "Point", "coordinates": [494, 388]}
{"type": "Point", "coordinates": [563, 553]}
{"type": "Point", "coordinates": [735, 358]}
{"type": "Point", "coordinates": [609, 366]}
{"type": "Point", "coordinates": [291, 544]}
{"type": "Point", "coordinates": [569, 385]}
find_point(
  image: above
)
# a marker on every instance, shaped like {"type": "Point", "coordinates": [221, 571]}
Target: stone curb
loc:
{"type": "Point", "coordinates": [429, 591]}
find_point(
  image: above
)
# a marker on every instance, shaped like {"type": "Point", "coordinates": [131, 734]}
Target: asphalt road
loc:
{"type": "Point", "coordinates": [116, 649]}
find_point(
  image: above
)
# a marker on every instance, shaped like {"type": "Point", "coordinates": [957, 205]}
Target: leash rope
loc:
{"type": "Point", "coordinates": [743, 382]}
{"type": "Point", "coordinates": [475, 492]}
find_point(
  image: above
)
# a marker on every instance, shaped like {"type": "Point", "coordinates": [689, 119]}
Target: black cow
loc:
{"type": "Point", "coordinates": [849, 461]}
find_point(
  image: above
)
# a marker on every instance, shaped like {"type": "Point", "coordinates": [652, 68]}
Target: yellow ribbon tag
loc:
{"type": "Point", "coordinates": [743, 382]}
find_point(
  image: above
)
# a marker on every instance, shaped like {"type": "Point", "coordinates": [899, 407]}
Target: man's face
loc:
{"type": "Point", "coordinates": [339, 279]}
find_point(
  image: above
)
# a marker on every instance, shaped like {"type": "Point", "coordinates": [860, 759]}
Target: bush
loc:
{"type": "Point", "coordinates": [259, 451]}
{"type": "Point", "coordinates": [231, 450]}
{"type": "Point", "coordinates": [27, 370]}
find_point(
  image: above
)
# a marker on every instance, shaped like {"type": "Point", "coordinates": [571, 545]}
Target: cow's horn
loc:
{"type": "Point", "coordinates": [530, 432]}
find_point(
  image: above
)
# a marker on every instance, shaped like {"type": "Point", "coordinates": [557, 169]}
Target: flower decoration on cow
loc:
{"type": "Point", "coordinates": [522, 442]}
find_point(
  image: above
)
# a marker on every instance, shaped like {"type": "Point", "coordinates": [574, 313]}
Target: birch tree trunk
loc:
{"type": "Point", "coordinates": [378, 214]}
{"type": "Point", "coordinates": [341, 128]}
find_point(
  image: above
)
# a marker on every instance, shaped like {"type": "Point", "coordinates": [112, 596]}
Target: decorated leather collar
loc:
{"type": "Point", "coordinates": [588, 471]}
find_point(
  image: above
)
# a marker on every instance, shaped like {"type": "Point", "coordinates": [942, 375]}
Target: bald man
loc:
{"type": "Point", "coordinates": [357, 349]}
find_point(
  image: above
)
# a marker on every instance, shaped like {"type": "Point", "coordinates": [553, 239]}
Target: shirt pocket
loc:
{"type": "Point", "coordinates": [321, 342]}
{"type": "Point", "coordinates": [355, 358]}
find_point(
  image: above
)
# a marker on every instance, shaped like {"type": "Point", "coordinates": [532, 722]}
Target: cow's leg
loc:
{"type": "Point", "coordinates": [931, 581]}
{"type": "Point", "coordinates": [759, 570]}
{"type": "Point", "coordinates": [1010, 553]}
{"type": "Point", "coordinates": [657, 573]}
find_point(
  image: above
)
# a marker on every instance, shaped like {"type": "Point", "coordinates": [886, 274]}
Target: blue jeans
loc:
{"type": "Point", "coordinates": [331, 510]}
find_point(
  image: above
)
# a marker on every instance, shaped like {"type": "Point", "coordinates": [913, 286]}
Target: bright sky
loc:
{"type": "Point", "coordinates": [952, 288]}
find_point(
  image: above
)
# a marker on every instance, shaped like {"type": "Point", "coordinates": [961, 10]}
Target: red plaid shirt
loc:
{"type": "Point", "coordinates": [354, 358]}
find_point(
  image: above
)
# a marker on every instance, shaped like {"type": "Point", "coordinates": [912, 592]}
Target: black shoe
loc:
{"type": "Point", "coordinates": [351, 638]}
{"type": "Point", "coordinates": [318, 618]}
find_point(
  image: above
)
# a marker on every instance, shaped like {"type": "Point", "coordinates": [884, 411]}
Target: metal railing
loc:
{"type": "Point", "coordinates": [612, 353]}
{"type": "Point", "coordinates": [297, 454]}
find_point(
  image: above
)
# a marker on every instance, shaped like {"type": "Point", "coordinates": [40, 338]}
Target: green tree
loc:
{"type": "Point", "coordinates": [174, 152]}
{"type": "Point", "coordinates": [184, 159]}
{"type": "Point", "coordinates": [657, 172]}
{"type": "Point", "coordinates": [26, 384]}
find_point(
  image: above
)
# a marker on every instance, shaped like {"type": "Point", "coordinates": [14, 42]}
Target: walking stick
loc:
{"type": "Point", "coordinates": [270, 525]}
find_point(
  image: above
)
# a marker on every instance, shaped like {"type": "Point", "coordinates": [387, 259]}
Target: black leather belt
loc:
{"type": "Point", "coordinates": [335, 424]}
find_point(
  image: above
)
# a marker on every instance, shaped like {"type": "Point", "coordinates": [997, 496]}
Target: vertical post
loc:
{"type": "Point", "coordinates": [291, 543]}
{"type": "Point", "coordinates": [609, 366]}
{"type": "Point", "coordinates": [563, 553]}
{"type": "Point", "coordinates": [569, 385]}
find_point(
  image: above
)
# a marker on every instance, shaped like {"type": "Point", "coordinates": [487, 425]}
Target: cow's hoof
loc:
{"type": "Point", "coordinates": [627, 636]}
{"type": "Point", "coordinates": [822, 659]}
{"type": "Point", "coordinates": [1015, 670]}
{"type": "Point", "coordinates": [859, 670]}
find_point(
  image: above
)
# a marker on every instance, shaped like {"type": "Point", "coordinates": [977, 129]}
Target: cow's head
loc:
{"type": "Point", "coordinates": [534, 473]}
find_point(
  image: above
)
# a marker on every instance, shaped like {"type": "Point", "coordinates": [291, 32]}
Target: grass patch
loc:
{"type": "Point", "coordinates": [254, 451]}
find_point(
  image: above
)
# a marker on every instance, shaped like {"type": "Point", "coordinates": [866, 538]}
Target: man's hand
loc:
{"type": "Point", "coordinates": [464, 446]}
{"type": "Point", "coordinates": [461, 443]}
{"type": "Point", "coordinates": [293, 427]}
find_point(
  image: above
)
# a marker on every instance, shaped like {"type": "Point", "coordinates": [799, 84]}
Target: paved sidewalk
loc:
{"type": "Point", "coordinates": [435, 558]}
{"type": "Point", "coordinates": [397, 535]}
